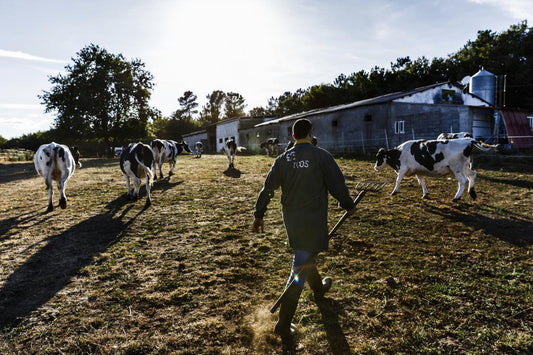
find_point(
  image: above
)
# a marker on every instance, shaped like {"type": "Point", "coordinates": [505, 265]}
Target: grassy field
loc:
{"type": "Point", "coordinates": [186, 275]}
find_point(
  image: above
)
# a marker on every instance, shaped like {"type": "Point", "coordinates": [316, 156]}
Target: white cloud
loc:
{"type": "Point", "coordinates": [21, 55]}
{"type": "Point", "coordinates": [519, 9]}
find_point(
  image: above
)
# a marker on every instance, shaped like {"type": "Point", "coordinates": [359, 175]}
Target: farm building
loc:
{"type": "Point", "coordinates": [198, 136]}
{"type": "Point", "coordinates": [216, 134]}
{"type": "Point", "coordinates": [389, 120]}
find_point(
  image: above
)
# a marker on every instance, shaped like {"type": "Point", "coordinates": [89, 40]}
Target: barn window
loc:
{"type": "Point", "coordinates": [399, 127]}
{"type": "Point", "coordinates": [447, 96]}
{"type": "Point", "coordinates": [220, 140]}
{"type": "Point", "coordinates": [368, 117]}
{"type": "Point", "coordinates": [334, 123]}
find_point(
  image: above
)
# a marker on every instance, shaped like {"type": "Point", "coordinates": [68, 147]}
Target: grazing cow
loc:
{"type": "Point", "coordinates": [55, 162]}
{"type": "Point", "coordinates": [270, 146]}
{"type": "Point", "coordinates": [167, 151]}
{"type": "Point", "coordinates": [443, 136]}
{"type": "Point", "coordinates": [135, 163]}
{"type": "Point", "coordinates": [199, 148]}
{"type": "Point", "coordinates": [432, 158]}
{"type": "Point", "coordinates": [76, 155]}
{"type": "Point", "coordinates": [291, 143]}
{"type": "Point", "coordinates": [231, 148]}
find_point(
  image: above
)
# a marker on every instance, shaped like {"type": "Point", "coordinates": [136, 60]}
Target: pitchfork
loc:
{"type": "Point", "coordinates": [363, 187]}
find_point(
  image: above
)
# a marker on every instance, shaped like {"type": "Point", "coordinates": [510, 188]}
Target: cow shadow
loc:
{"type": "Point", "coordinates": [53, 266]}
{"type": "Point", "coordinates": [232, 172]}
{"type": "Point", "coordinates": [330, 310]}
{"type": "Point", "coordinates": [164, 184]}
{"type": "Point", "coordinates": [513, 182]}
{"type": "Point", "coordinates": [516, 229]}
{"type": "Point", "coordinates": [7, 224]}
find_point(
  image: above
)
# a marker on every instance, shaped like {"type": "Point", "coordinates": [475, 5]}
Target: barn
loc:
{"type": "Point", "coordinates": [387, 120]}
{"type": "Point", "coordinates": [237, 129]}
{"type": "Point", "coordinates": [197, 136]}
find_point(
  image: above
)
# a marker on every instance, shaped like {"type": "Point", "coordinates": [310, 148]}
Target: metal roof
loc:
{"type": "Point", "coordinates": [367, 102]}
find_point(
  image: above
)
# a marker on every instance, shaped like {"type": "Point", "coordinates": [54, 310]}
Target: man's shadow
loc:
{"type": "Point", "coordinates": [330, 310]}
{"type": "Point", "coordinates": [52, 267]}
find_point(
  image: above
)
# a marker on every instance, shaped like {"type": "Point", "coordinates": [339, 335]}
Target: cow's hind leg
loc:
{"type": "Point", "coordinates": [172, 166]}
{"type": "Point", "coordinates": [50, 189]}
{"type": "Point", "coordinates": [461, 180]}
{"type": "Point", "coordinates": [137, 184]}
{"type": "Point", "coordinates": [422, 183]}
{"type": "Point", "coordinates": [160, 164]}
{"type": "Point", "coordinates": [471, 176]}
{"type": "Point", "coordinates": [61, 185]}
{"type": "Point", "coordinates": [128, 186]}
{"type": "Point", "coordinates": [148, 198]}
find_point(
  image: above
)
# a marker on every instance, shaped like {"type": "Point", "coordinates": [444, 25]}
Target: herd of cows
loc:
{"type": "Point", "coordinates": [450, 153]}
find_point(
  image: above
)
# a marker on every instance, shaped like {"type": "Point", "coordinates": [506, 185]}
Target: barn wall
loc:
{"type": "Point", "coordinates": [367, 128]}
{"type": "Point", "coordinates": [194, 137]}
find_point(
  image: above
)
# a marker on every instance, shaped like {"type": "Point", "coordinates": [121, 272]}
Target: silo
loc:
{"type": "Point", "coordinates": [483, 85]}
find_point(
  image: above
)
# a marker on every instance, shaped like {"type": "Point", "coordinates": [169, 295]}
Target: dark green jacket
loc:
{"type": "Point", "coordinates": [305, 174]}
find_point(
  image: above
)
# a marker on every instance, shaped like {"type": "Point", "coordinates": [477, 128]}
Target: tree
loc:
{"type": "Point", "coordinates": [234, 105]}
{"type": "Point", "coordinates": [212, 110]}
{"type": "Point", "coordinates": [188, 104]}
{"type": "Point", "coordinates": [102, 97]}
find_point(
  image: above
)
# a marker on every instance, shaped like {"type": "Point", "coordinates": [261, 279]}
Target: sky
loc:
{"type": "Point", "coordinates": [257, 48]}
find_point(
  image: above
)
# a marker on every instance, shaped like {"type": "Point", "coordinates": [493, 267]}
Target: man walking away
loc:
{"type": "Point", "coordinates": [306, 174]}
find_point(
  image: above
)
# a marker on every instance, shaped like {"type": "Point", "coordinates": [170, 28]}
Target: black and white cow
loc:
{"type": "Point", "coordinates": [231, 148]}
{"type": "Point", "coordinates": [270, 146]}
{"type": "Point", "coordinates": [443, 136]}
{"type": "Point", "coordinates": [167, 151]}
{"type": "Point", "coordinates": [432, 158]}
{"type": "Point", "coordinates": [199, 148]}
{"type": "Point", "coordinates": [55, 162]}
{"type": "Point", "coordinates": [135, 163]}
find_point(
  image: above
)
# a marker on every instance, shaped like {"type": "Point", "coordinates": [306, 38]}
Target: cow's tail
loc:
{"type": "Point", "coordinates": [147, 170]}
{"type": "Point", "coordinates": [484, 146]}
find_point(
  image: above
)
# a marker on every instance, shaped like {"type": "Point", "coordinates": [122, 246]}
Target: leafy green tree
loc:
{"type": "Point", "coordinates": [3, 142]}
{"type": "Point", "coordinates": [234, 105]}
{"type": "Point", "coordinates": [259, 112]}
{"type": "Point", "coordinates": [212, 111]}
{"type": "Point", "coordinates": [188, 104]}
{"type": "Point", "coordinates": [102, 97]}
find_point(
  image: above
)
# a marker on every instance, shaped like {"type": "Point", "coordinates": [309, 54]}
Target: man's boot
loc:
{"type": "Point", "coordinates": [284, 326]}
{"type": "Point", "coordinates": [319, 287]}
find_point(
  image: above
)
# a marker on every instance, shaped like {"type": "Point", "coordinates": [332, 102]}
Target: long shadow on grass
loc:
{"type": "Point", "coordinates": [51, 268]}
{"type": "Point", "coordinates": [330, 310]}
{"type": "Point", "coordinates": [165, 184]}
{"type": "Point", "coordinates": [517, 230]}
{"type": "Point", "coordinates": [7, 224]}
{"type": "Point", "coordinates": [517, 183]}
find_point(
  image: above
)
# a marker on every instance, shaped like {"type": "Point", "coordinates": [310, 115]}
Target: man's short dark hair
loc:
{"type": "Point", "coordinates": [301, 128]}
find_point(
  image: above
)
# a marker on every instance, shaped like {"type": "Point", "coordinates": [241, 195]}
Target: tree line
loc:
{"type": "Point", "coordinates": [104, 98]}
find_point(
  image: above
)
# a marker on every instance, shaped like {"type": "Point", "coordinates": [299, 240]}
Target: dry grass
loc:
{"type": "Point", "coordinates": [187, 276]}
